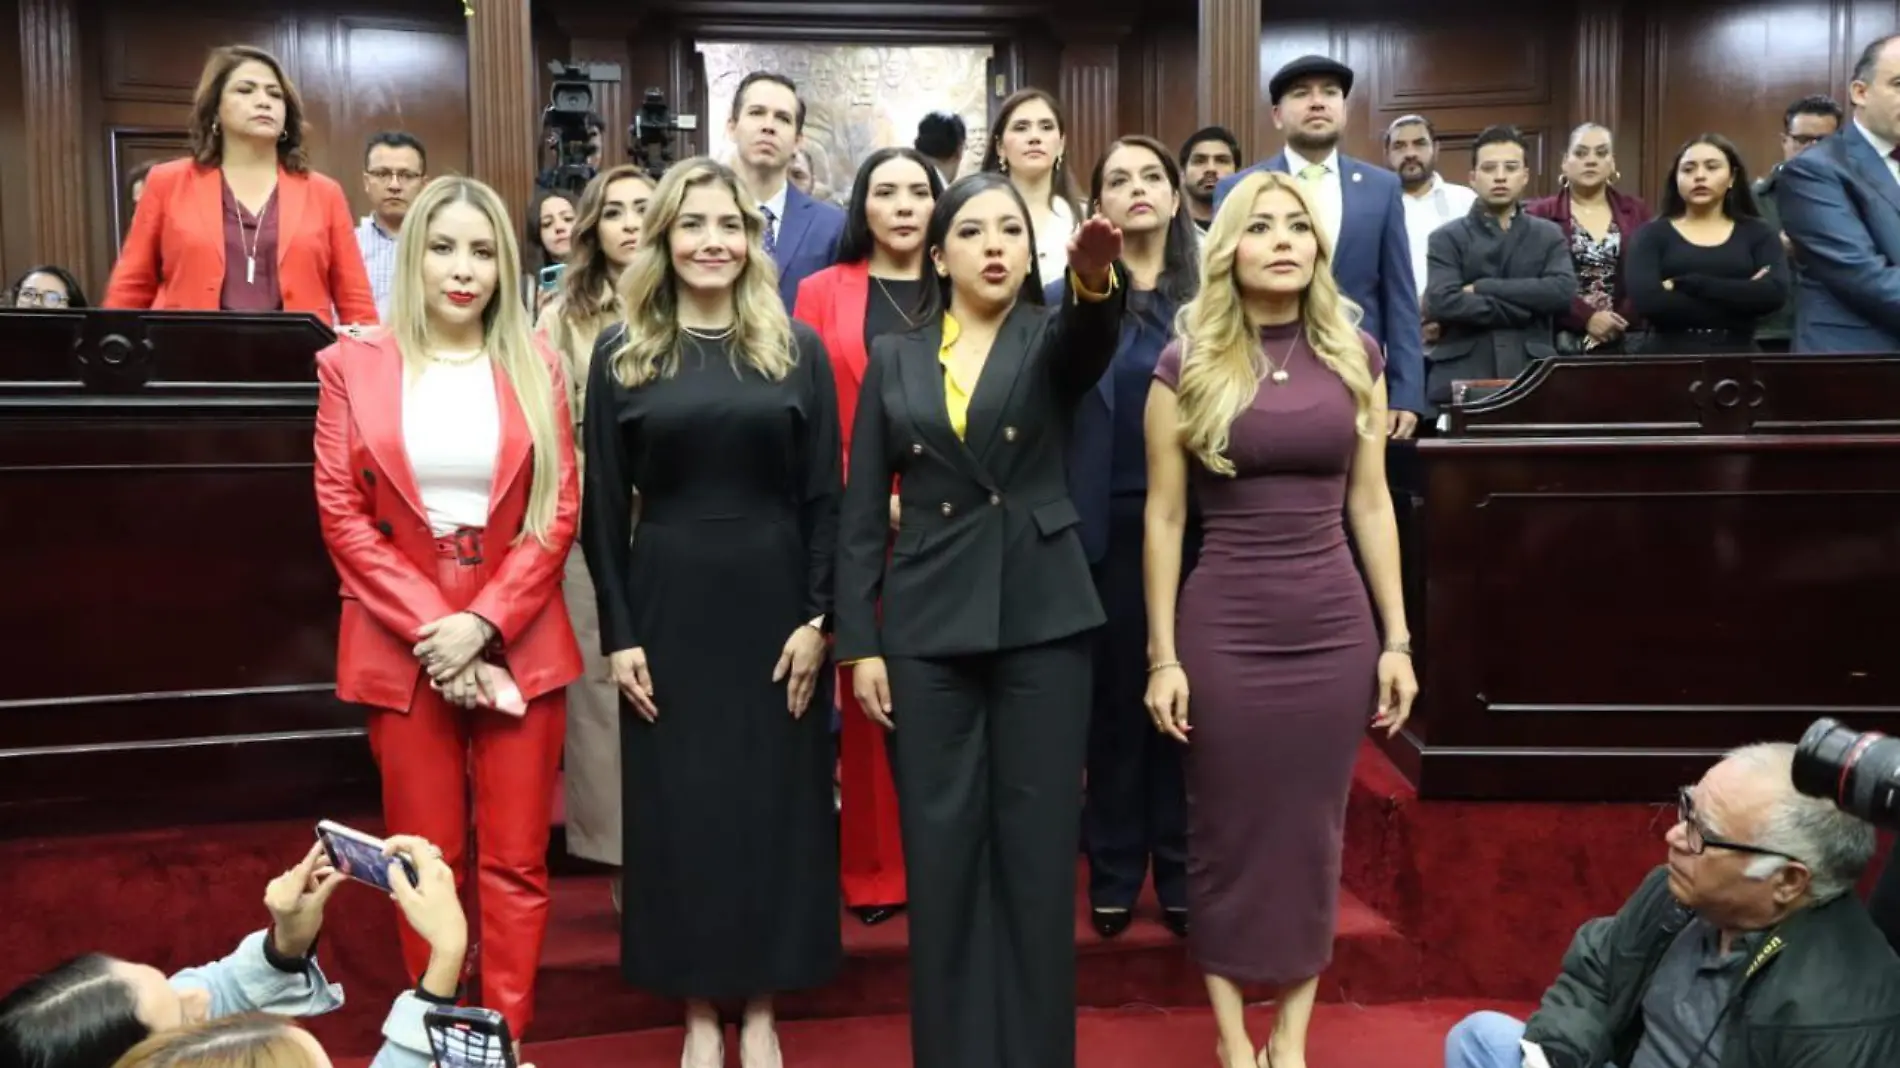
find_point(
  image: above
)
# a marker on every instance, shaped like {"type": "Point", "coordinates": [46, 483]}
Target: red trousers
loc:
{"type": "Point", "coordinates": [438, 763]}
{"type": "Point", "coordinates": [870, 847]}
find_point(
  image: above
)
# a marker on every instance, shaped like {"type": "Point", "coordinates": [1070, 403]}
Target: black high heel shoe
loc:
{"type": "Point", "coordinates": [872, 915]}
{"type": "Point", "coordinates": [1111, 922]}
{"type": "Point", "coordinates": [1175, 920]}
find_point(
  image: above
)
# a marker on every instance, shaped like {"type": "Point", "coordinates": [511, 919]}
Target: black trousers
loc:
{"type": "Point", "coordinates": [1135, 810]}
{"type": "Point", "coordinates": [988, 756]}
{"type": "Point", "coordinates": [1884, 902]}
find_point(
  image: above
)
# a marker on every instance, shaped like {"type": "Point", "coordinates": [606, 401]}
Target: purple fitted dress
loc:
{"type": "Point", "coordinates": [1275, 633]}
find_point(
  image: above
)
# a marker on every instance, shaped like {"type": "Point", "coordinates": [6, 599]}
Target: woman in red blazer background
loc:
{"type": "Point", "coordinates": [243, 224]}
{"type": "Point", "coordinates": [448, 498]}
{"type": "Point", "coordinates": [873, 289]}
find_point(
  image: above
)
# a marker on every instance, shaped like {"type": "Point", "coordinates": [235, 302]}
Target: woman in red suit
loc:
{"type": "Point", "coordinates": [448, 497]}
{"type": "Point", "coordinates": [873, 289]}
{"type": "Point", "coordinates": [243, 224]}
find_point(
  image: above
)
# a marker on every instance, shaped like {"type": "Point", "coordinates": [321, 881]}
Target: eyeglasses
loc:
{"type": "Point", "coordinates": [405, 177]}
{"type": "Point", "coordinates": [1699, 839]}
{"type": "Point", "coordinates": [40, 298]}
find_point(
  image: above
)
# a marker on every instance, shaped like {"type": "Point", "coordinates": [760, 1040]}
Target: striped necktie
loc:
{"type": "Point", "coordinates": [771, 230]}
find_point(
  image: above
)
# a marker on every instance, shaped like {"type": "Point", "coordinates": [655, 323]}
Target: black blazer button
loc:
{"type": "Point", "coordinates": [996, 498]}
{"type": "Point", "coordinates": [1009, 433]}
{"type": "Point", "coordinates": [383, 528]}
{"type": "Point", "coordinates": [917, 449]}
{"type": "Point", "coordinates": [369, 477]}
{"type": "Point", "coordinates": [947, 509]}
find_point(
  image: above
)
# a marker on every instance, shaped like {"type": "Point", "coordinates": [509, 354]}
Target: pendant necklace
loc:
{"type": "Point", "coordinates": [901, 313]}
{"type": "Point", "coordinates": [1277, 373]}
{"type": "Point", "coordinates": [249, 247]}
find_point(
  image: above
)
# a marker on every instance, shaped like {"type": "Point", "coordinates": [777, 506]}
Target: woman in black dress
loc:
{"type": "Point", "coordinates": [1706, 269]}
{"type": "Point", "coordinates": [719, 412]}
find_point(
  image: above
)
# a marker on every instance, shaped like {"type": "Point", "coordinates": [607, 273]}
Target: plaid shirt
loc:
{"type": "Point", "coordinates": [379, 258]}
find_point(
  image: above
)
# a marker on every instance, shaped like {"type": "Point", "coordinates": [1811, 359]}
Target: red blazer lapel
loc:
{"type": "Point", "coordinates": [516, 443]}
{"type": "Point", "coordinates": [376, 401]}
{"type": "Point", "coordinates": [293, 190]}
{"type": "Point", "coordinates": [851, 300]}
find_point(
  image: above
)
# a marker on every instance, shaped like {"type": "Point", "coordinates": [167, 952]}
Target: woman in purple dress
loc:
{"type": "Point", "coordinates": [1275, 401]}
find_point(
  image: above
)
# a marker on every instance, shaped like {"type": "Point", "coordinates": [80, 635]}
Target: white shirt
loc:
{"type": "Point", "coordinates": [1437, 206]}
{"type": "Point", "coordinates": [1882, 146]}
{"type": "Point", "coordinates": [451, 426]}
{"type": "Point", "coordinates": [1328, 196]}
{"type": "Point", "coordinates": [1052, 242]}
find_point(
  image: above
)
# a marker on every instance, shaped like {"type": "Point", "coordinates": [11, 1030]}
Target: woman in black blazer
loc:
{"type": "Point", "coordinates": [970, 643]}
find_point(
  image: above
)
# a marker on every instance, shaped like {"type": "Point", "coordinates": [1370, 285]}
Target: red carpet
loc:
{"type": "Point", "coordinates": [1411, 1035]}
{"type": "Point", "coordinates": [1442, 900]}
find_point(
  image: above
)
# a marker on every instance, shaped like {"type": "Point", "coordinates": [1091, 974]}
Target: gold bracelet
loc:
{"type": "Point", "coordinates": [1163, 666]}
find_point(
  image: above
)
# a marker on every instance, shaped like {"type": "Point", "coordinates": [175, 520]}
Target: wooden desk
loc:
{"type": "Point", "coordinates": [1632, 565]}
{"type": "Point", "coordinates": [169, 610]}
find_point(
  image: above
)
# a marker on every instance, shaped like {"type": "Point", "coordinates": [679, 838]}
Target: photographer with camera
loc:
{"type": "Point", "coordinates": [1747, 949]}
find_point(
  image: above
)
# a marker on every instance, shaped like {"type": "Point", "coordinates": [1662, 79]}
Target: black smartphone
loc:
{"type": "Point", "coordinates": [360, 856]}
{"type": "Point", "coordinates": [469, 1038]}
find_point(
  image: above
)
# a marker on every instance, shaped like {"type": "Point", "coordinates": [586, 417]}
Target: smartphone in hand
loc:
{"type": "Point", "coordinates": [360, 856]}
{"type": "Point", "coordinates": [469, 1038]}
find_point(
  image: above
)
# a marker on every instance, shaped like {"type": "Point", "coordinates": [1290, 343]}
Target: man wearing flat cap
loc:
{"type": "Point", "coordinates": [1363, 216]}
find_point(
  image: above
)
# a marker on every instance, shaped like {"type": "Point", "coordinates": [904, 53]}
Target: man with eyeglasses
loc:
{"type": "Point", "coordinates": [1807, 122]}
{"type": "Point", "coordinates": [394, 169]}
{"type": "Point", "coordinates": [1747, 949]}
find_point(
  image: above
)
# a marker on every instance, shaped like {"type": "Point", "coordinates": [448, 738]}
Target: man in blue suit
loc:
{"type": "Point", "coordinates": [1840, 209]}
{"type": "Point", "coordinates": [766, 127]}
{"type": "Point", "coordinates": [1360, 208]}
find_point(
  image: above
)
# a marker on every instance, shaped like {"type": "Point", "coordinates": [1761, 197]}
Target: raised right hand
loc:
{"type": "Point", "coordinates": [871, 685]}
{"type": "Point", "coordinates": [629, 670]}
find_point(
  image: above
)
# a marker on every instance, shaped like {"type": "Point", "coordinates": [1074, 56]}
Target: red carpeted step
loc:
{"type": "Point", "coordinates": [580, 993]}
{"type": "Point", "coordinates": [1402, 1035]}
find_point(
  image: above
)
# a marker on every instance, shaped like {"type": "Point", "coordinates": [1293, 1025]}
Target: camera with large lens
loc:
{"type": "Point", "coordinates": [1859, 772]}
{"type": "Point", "coordinates": [570, 124]}
{"type": "Point", "coordinates": [650, 136]}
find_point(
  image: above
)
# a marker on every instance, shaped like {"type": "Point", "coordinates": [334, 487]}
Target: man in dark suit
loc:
{"type": "Point", "coordinates": [1840, 209]}
{"type": "Point", "coordinates": [1363, 216]}
{"type": "Point", "coordinates": [766, 128]}
{"type": "Point", "coordinates": [1496, 279]}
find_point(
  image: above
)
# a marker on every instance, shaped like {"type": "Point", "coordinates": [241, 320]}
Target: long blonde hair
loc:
{"type": "Point", "coordinates": [252, 1040]}
{"type": "Point", "coordinates": [648, 293]}
{"type": "Point", "coordinates": [1221, 360]}
{"type": "Point", "coordinates": [506, 332]}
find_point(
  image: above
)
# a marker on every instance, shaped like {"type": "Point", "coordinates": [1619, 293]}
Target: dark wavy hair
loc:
{"type": "Point", "coordinates": [75, 296]}
{"type": "Point", "coordinates": [589, 272]}
{"type": "Point", "coordinates": [532, 224]}
{"type": "Point", "coordinates": [935, 298]}
{"type": "Point", "coordinates": [207, 142]}
{"type": "Point", "coordinates": [1738, 203]}
{"type": "Point", "coordinates": [858, 241]}
{"type": "Point", "coordinates": [78, 1015]}
{"type": "Point", "coordinates": [1060, 183]}
{"type": "Point", "coordinates": [1181, 252]}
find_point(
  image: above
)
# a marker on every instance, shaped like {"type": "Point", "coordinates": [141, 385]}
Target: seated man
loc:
{"type": "Point", "coordinates": [1746, 950]}
{"type": "Point", "coordinates": [87, 1012]}
{"type": "Point", "coordinates": [1495, 280]}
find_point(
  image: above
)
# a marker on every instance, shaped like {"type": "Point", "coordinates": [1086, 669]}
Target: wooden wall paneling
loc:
{"type": "Point", "coordinates": [1733, 69]}
{"type": "Point", "coordinates": [396, 74]}
{"type": "Point", "coordinates": [1158, 77]}
{"type": "Point", "coordinates": [503, 104]}
{"type": "Point", "coordinates": [1228, 90]}
{"type": "Point", "coordinates": [55, 133]}
{"type": "Point", "coordinates": [1089, 87]}
{"type": "Point", "coordinates": [16, 217]}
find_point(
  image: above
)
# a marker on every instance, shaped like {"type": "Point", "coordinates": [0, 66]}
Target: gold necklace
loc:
{"type": "Point", "coordinates": [1278, 373]}
{"type": "Point", "coordinates": [901, 313]}
{"type": "Point", "coordinates": [463, 361]}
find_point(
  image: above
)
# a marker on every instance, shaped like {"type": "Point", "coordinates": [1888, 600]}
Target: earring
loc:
{"type": "Point", "coordinates": [214, 127]}
{"type": "Point", "coordinates": [1615, 177]}
{"type": "Point", "coordinates": [942, 271]}
{"type": "Point", "coordinates": [284, 134]}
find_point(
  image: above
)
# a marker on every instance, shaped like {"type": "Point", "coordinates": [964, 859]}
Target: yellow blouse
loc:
{"type": "Point", "coordinates": [955, 397]}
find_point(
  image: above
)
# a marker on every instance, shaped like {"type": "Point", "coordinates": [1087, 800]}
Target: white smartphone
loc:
{"type": "Point", "coordinates": [360, 856]}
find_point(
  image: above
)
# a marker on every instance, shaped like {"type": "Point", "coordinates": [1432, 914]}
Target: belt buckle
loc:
{"type": "Point", "coordinates": [468, 547]}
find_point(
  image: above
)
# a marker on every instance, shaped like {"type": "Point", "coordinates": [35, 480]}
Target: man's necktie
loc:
{"type": "Point", "coordinates": [771, 230]}
{"type": "Point", "coordinates": [1312, 172]}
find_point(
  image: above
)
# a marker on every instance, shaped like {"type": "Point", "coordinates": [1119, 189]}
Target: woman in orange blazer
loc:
{"type": "Point", "coordinates": [874, 289]}
{"type": "Point", "coordinates": [448, 498]}
{"type": "Point", "coordinates": [244, 224]}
